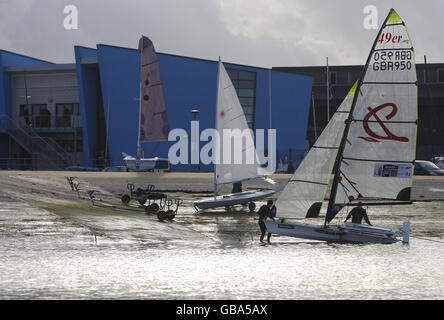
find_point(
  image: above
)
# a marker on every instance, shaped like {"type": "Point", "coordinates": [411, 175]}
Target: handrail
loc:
{"type": "Point", "coordinates": [32, 142]}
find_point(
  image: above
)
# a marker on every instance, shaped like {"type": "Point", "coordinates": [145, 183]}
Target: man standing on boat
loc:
{"type": "Point", "coordinates": [358, 214]}
{"type": "Point", "coordinates": [264, 213]}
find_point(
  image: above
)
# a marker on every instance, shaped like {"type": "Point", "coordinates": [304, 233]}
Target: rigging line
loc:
{"type": "Point", "coordinates": [425, 239]}
{"type": "Point", "coordinates": [378, 160]}
{"type": "Point", "coordinates": [352, 184]}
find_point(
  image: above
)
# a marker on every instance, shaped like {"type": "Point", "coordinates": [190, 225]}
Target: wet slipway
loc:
{"type": "Point", "coordinates": [57, 245]}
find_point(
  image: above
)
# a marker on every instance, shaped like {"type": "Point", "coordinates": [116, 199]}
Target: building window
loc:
{"type": "Point", "coordinates": [245, 84]}
{"type": "Point", "coordinates": [65, 113]}
{"type": "Point", "coordinates": [35, 115]}
{"type": "Point", "coordinates": [333, 77]}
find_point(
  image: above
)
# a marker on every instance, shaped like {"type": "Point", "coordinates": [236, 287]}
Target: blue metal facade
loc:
{"type": "Point", "coordinates": [108, 78]}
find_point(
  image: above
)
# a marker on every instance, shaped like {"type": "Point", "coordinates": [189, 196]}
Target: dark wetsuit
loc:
{"type": "Point", "coordinates": [357, 215]}
{"type": "Point", "coordinates": [264, 213]}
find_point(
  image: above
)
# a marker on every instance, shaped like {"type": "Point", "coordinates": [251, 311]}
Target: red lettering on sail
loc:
{"type": "Point", "coordinates": [374, 137]}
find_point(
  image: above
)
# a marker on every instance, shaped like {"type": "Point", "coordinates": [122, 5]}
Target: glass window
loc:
{"type": "Point", "coordinates": [441, 75]}
{"type": "Point", "coordinates": [243, 84]}
{"type": "Point", "coordinates": [64, 113]}
{"type": "Point", "coordinates": [41, 116]}
{"type": "Point", "coordinates": [246, 93]}
{"type": "Point", "coordinates": [247, 75]}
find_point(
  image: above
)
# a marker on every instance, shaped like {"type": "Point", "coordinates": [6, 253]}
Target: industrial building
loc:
{"type": "Point", "coordinates": [430, 140]}
{"type": "Point", "coordinates": [85, 113]}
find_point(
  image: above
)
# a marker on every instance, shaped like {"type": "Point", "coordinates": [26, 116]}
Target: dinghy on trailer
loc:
{"type": "Point", "coordinates": [368, 147]}
{"type": "Point", "coordinates": [231, 116]}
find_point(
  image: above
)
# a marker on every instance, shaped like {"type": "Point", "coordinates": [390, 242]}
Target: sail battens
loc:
{"type": "Point", "coordinates": [394, 49]}
{"type": "Point", "coordinates": [311, 182]}
{"type": "Point", "coordinates": [390, 83]}
{"type": "Point", "coordinates": [308, 186]}
{"type": "Point", "coordinates": [328, 148]}
{"type": "Point", "coordinates": [378, 160]}
{"type": "Point", "coordinates": [385, 121]}
{"type": "Point", "coordinates": [395, 24]}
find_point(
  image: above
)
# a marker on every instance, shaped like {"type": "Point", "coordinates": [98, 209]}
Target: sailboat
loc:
{"type": "Point", "coordinates": [230, 116]}
{"type": "Point", "coordinates": [365, 154]}
{"type": "Point", "coordinates": [153, 121]}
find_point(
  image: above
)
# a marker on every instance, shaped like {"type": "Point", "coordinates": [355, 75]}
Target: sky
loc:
{"type": "Point", "coordinates": [262, 33]}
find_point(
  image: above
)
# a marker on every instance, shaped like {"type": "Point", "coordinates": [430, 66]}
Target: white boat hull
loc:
{"type": "Point", "coordinates": [232, 199]}
{"type": "Point", "coordinates": [346, 233]}
{"type": "Point", "coordinates": [145, 164]}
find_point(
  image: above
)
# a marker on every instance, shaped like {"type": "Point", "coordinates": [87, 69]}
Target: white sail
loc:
{"type": "Point", "coordinates": [153, 122]}
{"type": "Point", "coordinates": [378, 156]}
{"type": "Point", "coordinates": [304, 193]}
{"type": "Point", "coordinates": [238, 162]}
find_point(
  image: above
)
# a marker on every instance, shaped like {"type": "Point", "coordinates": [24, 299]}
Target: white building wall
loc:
{"type": "Point", "coordinates": [44, 88]}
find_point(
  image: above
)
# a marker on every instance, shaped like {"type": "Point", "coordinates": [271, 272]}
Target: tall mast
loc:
{"type": "Point", "coordinates": [328, 92]}
{"type": "Point", "coordinates": [337, 172]}
{"type": "Point", "coordinates": [215, 124]}
{"type": "Point", "coordinates": [139, 149]}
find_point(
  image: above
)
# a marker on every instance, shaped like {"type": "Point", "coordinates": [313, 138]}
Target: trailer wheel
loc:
{"type": "Point", "coordinates": [155, 207]}
{"type": "Point", "coordinates": [149, 209]}
{"type": "Point", "coordinates": [142, 201]}
{"type": "Point", "coordinates": [252, 206]}
{"type": "Point", "coordinates": [126, 198]}
{"type": "Point", "coordinates": [170, 214]}
{"type": "Point", "coordinates": [161, 215]}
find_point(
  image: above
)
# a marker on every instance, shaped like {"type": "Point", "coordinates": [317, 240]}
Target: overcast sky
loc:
{"type": "Point", "coordinates": [260, 33]}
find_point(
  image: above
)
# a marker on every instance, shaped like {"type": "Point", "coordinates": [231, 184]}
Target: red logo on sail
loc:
{"type": "Point", "coordinates": [374, 137]}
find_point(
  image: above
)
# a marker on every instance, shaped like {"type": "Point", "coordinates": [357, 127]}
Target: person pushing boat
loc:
{"type": "Point", "coordinates": [264, 213]}
{"type": "Point", "coordinates": [357, 214]}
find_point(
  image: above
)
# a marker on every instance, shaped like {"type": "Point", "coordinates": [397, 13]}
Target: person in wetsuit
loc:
{"type": "Point", "coordinates": [264, 213]}
{"type": "Point", "coordinates": [357, 214]}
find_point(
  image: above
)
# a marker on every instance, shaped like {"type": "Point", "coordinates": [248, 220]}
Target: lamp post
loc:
{"type": "Point", "coordinates": [195, 112]}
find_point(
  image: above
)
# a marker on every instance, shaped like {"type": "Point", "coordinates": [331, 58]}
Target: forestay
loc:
{"type": "Point", "coordinates": [308, 186]}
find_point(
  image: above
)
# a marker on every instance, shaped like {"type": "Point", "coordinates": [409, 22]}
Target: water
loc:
{"type": "Point", "coordinates": [90, 255]}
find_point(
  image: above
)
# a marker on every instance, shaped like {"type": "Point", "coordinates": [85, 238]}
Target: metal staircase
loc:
{"type": "Point", "coordinates": [34, 144]}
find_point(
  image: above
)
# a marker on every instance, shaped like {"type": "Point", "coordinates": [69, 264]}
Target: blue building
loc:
{"type": "Point", "coordinates": [86, 113]}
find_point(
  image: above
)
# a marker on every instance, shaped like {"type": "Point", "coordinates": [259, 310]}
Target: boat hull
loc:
{"type": "Point", "coordinates": [232, 199]}
{"type": "Point", "coordinates": [346, 233]}
{"type": "Point", "coordinates": [145, 164]}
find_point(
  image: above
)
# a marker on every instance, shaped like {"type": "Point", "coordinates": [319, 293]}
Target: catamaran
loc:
{"type": "Point", "coordinates": [230, 115]}
{"type": "Point", "coordinates": [153, 121]}
{"type": "Point", "coordinates": [365, 154]}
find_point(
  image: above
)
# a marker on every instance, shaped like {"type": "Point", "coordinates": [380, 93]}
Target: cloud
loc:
{"type": "Point", "coordinates": [254, 32]}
